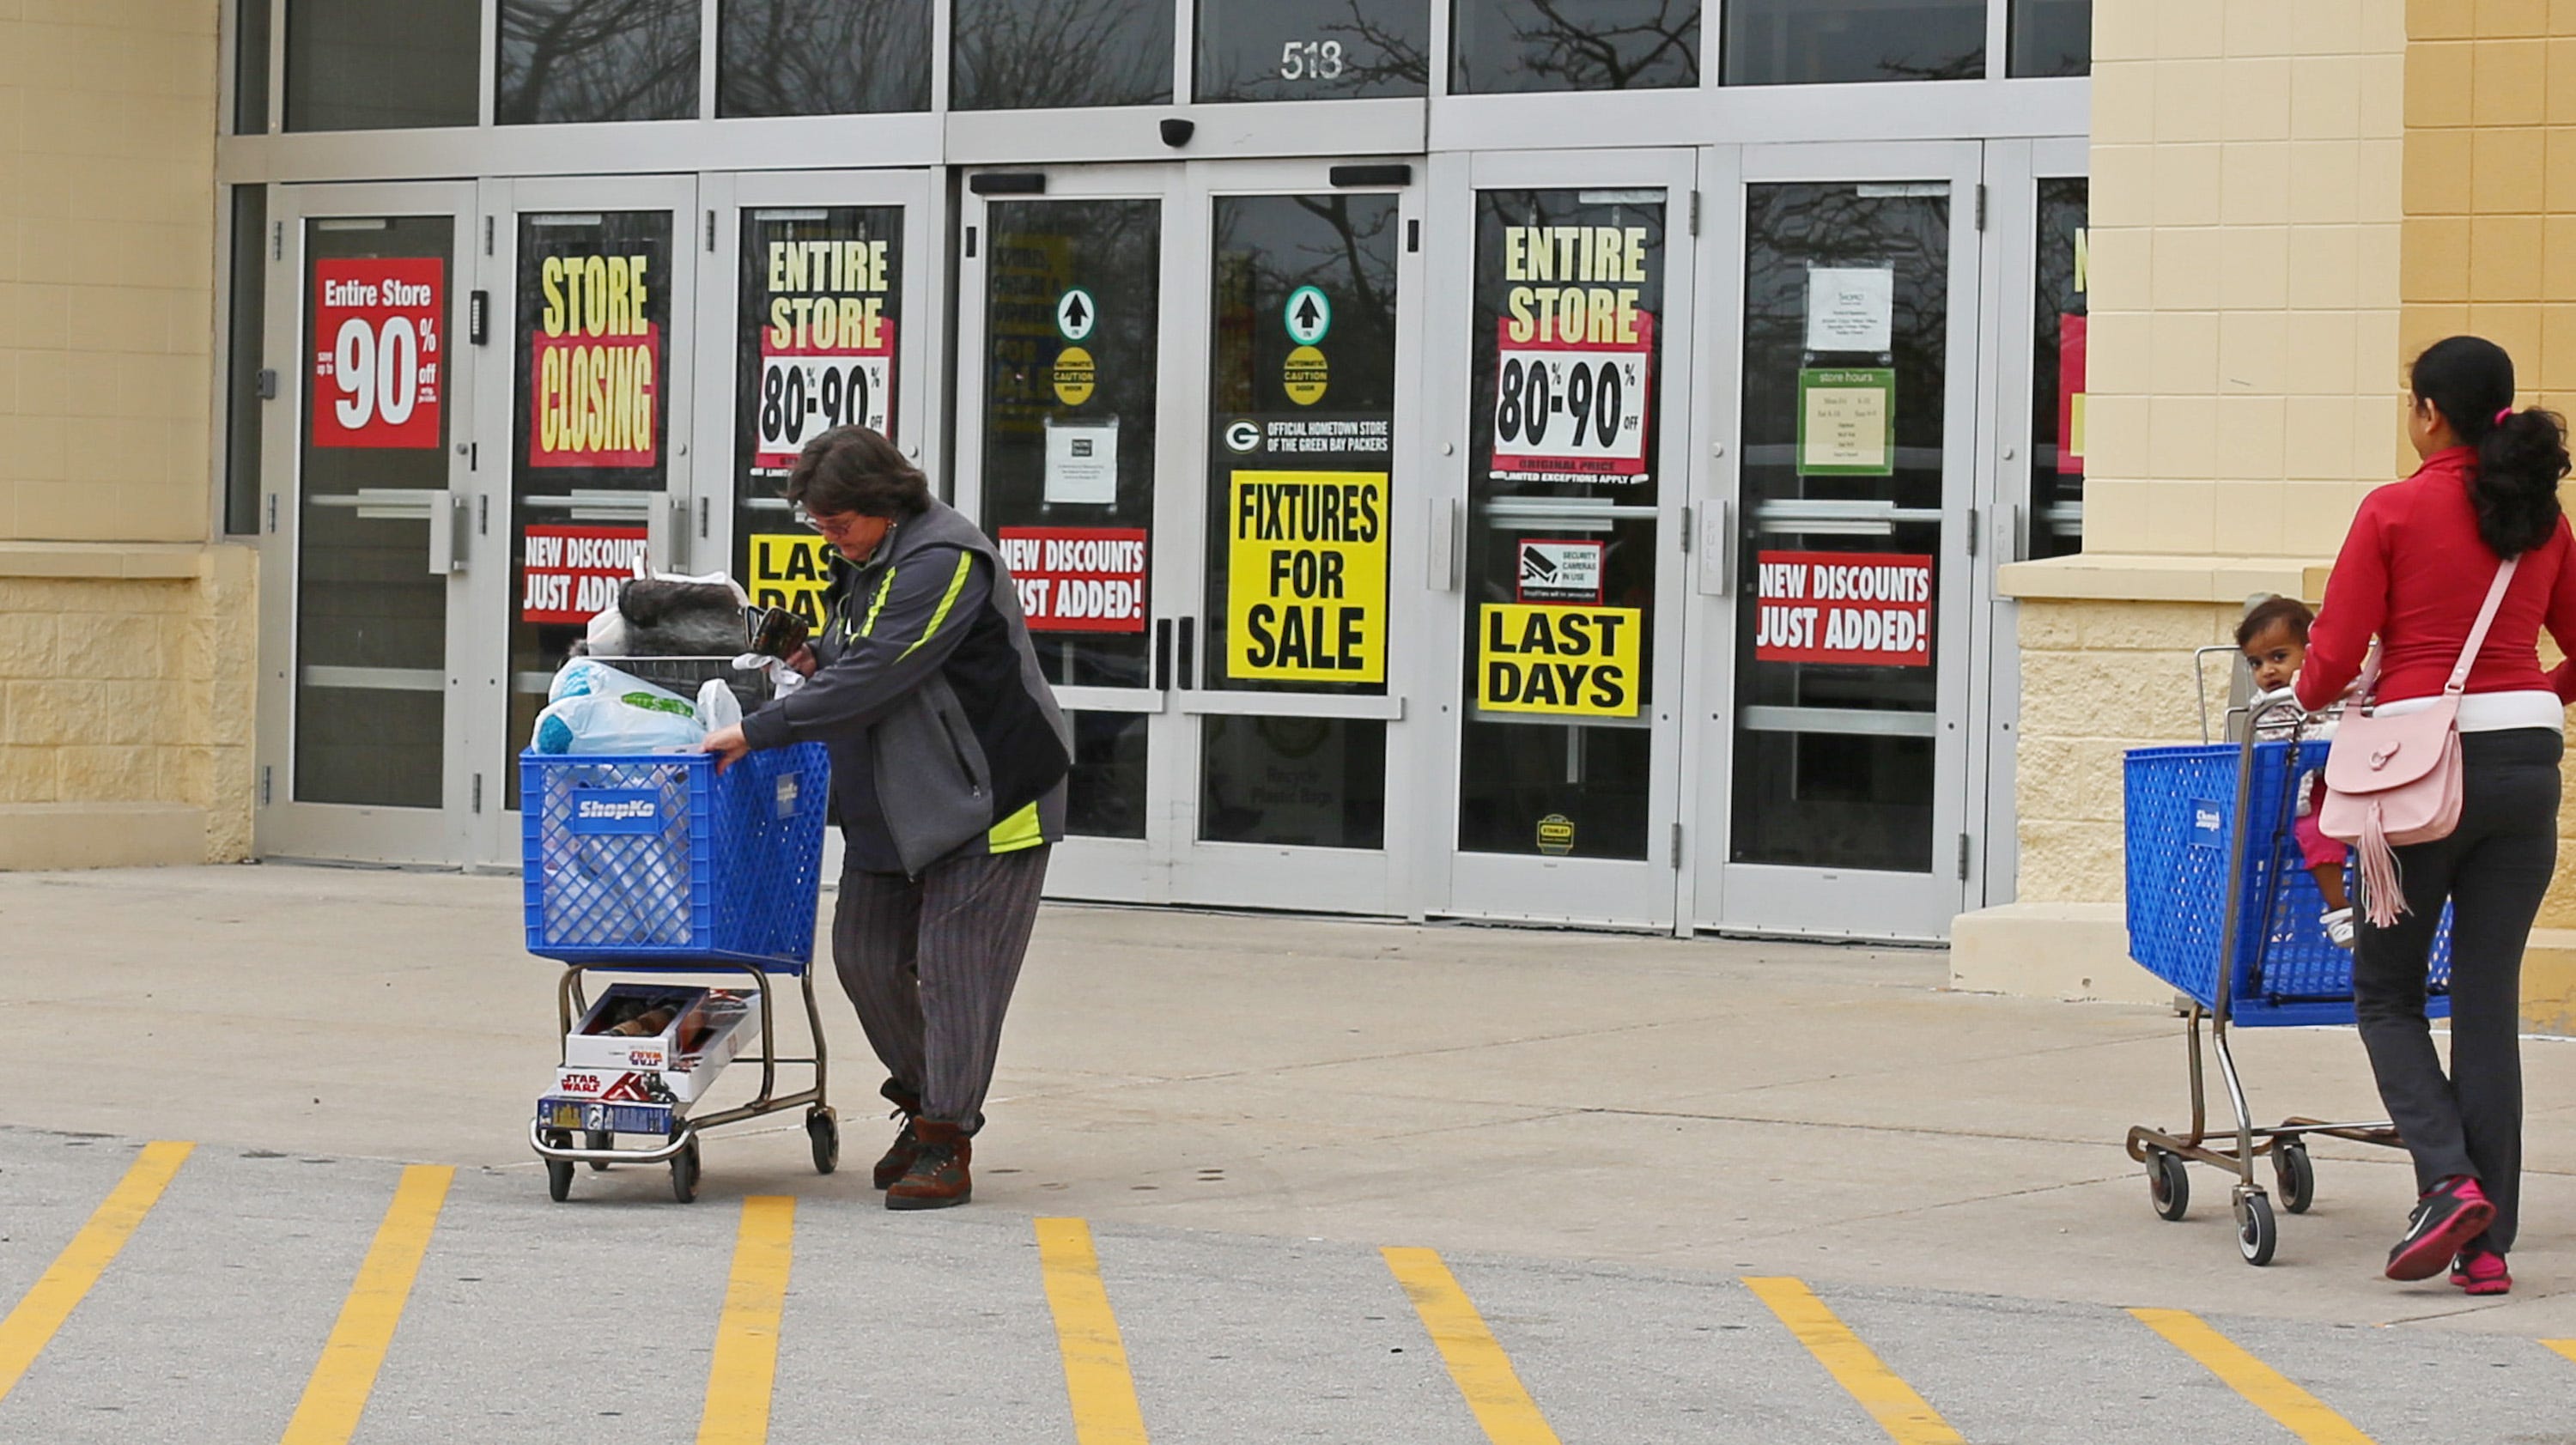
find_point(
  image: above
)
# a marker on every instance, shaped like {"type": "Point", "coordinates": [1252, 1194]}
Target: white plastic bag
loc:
{"type": "Point", "coordinates": [598, 709]}
{"type": "Point", "coordinates": [718, 708]}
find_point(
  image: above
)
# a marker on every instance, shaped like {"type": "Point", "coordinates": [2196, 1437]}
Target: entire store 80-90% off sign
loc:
{"type": "Point", "coordinates": [376, 362]}
{"type": "Point", "coordinates": [1573, 405]}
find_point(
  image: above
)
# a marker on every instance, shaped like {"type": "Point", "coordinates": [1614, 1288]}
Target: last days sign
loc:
{"type": "Point", "coordinates": [1566, 661]}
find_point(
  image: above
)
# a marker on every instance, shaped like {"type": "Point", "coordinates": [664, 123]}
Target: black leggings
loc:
{"type": "Point", "coordinates": [2493, 869]}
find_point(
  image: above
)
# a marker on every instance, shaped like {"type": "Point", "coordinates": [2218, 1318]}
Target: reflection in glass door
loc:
{"type": "Point", "coordinates": [1576, 354]}
{"type": "Point", "coordinates": [358, 730]}
{"type": "Point", "coordinates": [1843, 737]}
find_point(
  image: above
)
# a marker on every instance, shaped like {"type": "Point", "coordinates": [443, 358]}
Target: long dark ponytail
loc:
{"type": "Point", "coordinates": [2522, 455]}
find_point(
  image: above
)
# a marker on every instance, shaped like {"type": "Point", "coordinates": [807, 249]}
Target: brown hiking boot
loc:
{"type": "Point", "coordinates": [938, 1176]}
{"type": "Point", "coordinates": [898, 1159]}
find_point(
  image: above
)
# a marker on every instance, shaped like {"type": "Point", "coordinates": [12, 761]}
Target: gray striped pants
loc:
{"type": "Point", "coordinates": [929, 963]}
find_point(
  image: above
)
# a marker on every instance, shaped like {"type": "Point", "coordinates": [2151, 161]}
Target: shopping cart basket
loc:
{"type": "Point", "coordinates": [2221, 907]}
{"type": "Point", "coordinates": [657, 865]}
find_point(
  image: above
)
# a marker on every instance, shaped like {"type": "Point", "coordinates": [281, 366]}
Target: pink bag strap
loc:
{"type": "Point", "coordinates": [2478, 634]}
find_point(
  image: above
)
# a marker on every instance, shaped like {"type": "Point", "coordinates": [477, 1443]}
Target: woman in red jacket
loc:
{"type": "Point", "coordinates": [2415, 571]}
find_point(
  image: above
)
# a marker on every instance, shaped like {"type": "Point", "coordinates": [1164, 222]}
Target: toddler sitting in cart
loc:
{"type": "Point", "coordinates": [2274, 639]}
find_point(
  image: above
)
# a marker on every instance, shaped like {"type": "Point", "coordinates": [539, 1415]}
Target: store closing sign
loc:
{"type": "Point", "coordinates": [827, 353]}
{"type": "Point", "coordinates": [573, 573]}
{"type": "Point", "coordinates": [596, 365]}
{"type": "Point", "coordinates": [1565, 661]}
{"type": "Point", "coordinates": [1859, 608]}
{"type": "Point", "coordinates": [1305, 591]}
{"type": "Point", "coordinates": [377, 329]}
{"type": "Point", "coordinates": [1077, 579]}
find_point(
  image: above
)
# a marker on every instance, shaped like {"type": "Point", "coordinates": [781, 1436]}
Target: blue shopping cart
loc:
{"type": "Point", "coordinates": [2221, 907]}
{"type": "Point", "coordinates": [658, 865]}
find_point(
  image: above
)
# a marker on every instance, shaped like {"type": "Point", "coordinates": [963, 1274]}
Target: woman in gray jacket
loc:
{"type": "Point", "coordinates": [948, 765]}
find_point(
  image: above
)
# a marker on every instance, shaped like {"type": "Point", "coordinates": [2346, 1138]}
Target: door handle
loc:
{"type": "Point", "coordinates": [1163, 655]}
{"type": "Point", "coordinates": [451, 532]}
{"type": "Point", "coordinates": [1445, 560]}
{"type": "Point", "coordinates": [1189, 653]}
{"type": "Point", "coordinates": [1717, 548]}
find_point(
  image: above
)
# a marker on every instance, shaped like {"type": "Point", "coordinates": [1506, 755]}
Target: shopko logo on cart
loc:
{"type": "Point", "coordinates": [2208, 823]}
{"type": "Point", "coordinates": [615, 810]}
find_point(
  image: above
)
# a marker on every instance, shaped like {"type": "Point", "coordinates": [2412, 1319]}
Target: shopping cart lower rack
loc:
{"type": "Point", "coordinates": [658, 866]}
{"type": "Point", "coordinates": [2221, 907]}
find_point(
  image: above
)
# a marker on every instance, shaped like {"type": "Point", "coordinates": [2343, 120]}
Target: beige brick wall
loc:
{"type": "Point", "coordinates": [2246, 211]}
{"type": "Point", "coordinates": [127, 637]}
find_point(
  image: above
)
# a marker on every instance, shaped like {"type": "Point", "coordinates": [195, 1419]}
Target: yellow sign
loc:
{"type": "Point", "coordinates": [1571, 661]}
{"type": "Point", "coordinates": [1305, 591]}
{"type": "Point", "coordinates": [1304, 376]}
{"type": "Point", "coordinates": [791, 572]}
{"type": "Point", "coordinates": [1073, 376]}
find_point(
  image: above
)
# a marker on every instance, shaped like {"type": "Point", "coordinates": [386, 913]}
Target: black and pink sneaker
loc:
{"type": "Point", "coordinates": [2482, 1272]}
{"type": "Point", "coordinates": [2455, 1212]}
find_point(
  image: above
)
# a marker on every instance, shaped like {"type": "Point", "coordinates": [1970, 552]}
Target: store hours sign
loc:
{"type": "Point", "coordinates": [378, 327]}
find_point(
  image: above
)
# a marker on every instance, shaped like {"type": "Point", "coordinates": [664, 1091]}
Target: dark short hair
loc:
{"type": "Point", "coordinates": [852, 469]}
{"type": "Point", "coordinates": [2260, 617]}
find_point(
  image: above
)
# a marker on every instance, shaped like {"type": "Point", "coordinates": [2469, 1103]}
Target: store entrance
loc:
{"type": "Point", "coordinates": [1180, 415]}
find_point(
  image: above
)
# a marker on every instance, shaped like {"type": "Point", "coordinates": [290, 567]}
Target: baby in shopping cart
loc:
{"type": "Point", "coordinates": [2274, 639]}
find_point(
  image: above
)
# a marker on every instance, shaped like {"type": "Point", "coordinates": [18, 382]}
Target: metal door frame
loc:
{"type": "Point", "coordinates": [1846, 902]}
{"type": "Point", "coordinates": [283, 826]}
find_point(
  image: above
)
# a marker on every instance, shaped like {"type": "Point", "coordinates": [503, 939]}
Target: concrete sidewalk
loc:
{"type": "Point", "coordinates": [1722, 1106]}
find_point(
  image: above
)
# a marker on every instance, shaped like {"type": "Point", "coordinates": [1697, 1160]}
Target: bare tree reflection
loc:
{"type": "Point", "coordinates": [1509, 45]}
{"type": "Point", "coordinates": [1042, 54]}
{"type": "Point", "coordinates": [823, 57]}
{"type": "Point", "coordinates": [577, 60]}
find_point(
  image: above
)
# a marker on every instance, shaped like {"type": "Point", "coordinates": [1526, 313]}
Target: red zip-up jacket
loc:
{"type": "Point", "coordinates": [2414, 571]}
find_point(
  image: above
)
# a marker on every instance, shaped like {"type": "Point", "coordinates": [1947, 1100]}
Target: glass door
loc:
{"type": "Point", "coordinates": [1570, 336]}
{"type": "Point", "coordinates": [368, 551]}
{"type": "Point", "coordinates": [592, 288]}
{"type": "Point", "coordinates": [1836, 591]}
{"type": "Point", "coordinates": [1290, 715]}
{"type": "Point", "coordinates": [1066, 429]}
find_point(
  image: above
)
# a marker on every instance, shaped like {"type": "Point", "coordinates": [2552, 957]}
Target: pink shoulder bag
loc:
{"type": "Point", "coordinates": [2396, 780]}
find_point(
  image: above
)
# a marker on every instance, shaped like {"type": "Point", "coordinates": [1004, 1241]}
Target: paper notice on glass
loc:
{"type": "Point", "coordinates": [1851, 309]}
{"type": "Point", "coordinates": [1082, 462]}
{"type": "Point", "coordinates": [1846, 421]}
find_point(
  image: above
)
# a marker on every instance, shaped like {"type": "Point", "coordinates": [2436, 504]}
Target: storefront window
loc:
{"type": "Point", "coordinates": [246, 326]}
{"type": "Point", "coordinates": [2052, 37]}
{"type": "Point", "coordinates": [1046, 54]}
{"type": "Point", "coordinates": [591, 426]}
{"type": "Point", "coordinates": [1312, 49]}
{"type": "Point", "coordinates": [588, 60]}
{"type": "Point", "coordinates": [1312, 782]}
{"type": "Point", "coordinates": [1105, 793]}
{"type": "Point", "coordinates": [1505, 46]}
{"type": "Point", "coordinates": [1809, 42]}
{"type": "Point", "coordinates": [819, 311]}
{"type": "Point", "coordinates": [2056, 522]}
{"type": "Point", "coordinates": [370, 617]}
{"type": "Point", "coordinates": [822, 57]}
{"type": "Point", "coordinates": [250, 66]}
{"type": "Point", "coordinates": [382, 64]}
{"type": "Point", "coordinates": [1846, 387]}
{"type": "Point", "coordinates": [1072, 313]}
{"type": "Point", "coordinates": [1567, 362]}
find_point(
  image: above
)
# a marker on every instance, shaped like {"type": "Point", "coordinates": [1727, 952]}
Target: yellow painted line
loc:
{"type": "Point", "coordinates": [2564, 1347]}
{"type": "Point", "coordinates": [345, 1376]}
{"type": "Point", "coordinates": [1476, 1361]}
{"type": "Point", "coordinates": [1095, 1359]}
{"type": "Point", "coordinates": [746, 1362]}
{"type": "Point", "coordinates": [2299, 1412]}
{"type": "Point", "coordinates": [1907, 1417]}
{"type": "Point", "coordinates": [29, 1326]}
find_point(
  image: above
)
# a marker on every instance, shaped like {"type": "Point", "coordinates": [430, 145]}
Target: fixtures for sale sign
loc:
{"type": "Point", "coordinates": [1865, 609]}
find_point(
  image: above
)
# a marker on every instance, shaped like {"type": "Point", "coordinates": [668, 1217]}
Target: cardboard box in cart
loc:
{"type": "Point", "coordinates": [684, 1036]}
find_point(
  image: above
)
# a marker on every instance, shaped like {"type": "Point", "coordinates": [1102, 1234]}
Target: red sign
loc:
{"type": "Point", "coordinates": [1573, 408]}
{"type": "Point", "coordinates": [1867, 609]}
{"type": "Point", "coordinates": [377, 372]}
{"type": "Point", "coordinates": [2070, 396]}
{"type": "Point", "coordinates": [594, 400]}
{"type": "Point", "coordinates": [573, 572]}
{"type": "Point", "coordinates": [830, 373]}
{"type": "Point", "coordinates": [1078, 579]}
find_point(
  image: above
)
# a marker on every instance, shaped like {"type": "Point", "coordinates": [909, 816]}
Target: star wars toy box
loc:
{"type": "Point", "coordinates": [656, 1043]}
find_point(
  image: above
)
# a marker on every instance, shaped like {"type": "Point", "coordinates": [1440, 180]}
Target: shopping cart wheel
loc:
{"type": "Point", "coordinates": [2296, 1174]}
{"type": "Point", "coordinates": [825, 1132]}
{"type": "Point", "coordinates": [558, 1171]}
{"type": "Point", "coordinates": [684, 1171]}
{"type": "Point", "coordinates": [2168, 1184]}
{"type": "Point", "coordinates": [599, 1139]}
{"type": "Point", "coordinates": [2256, 1234]}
